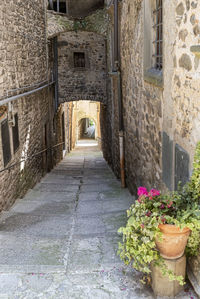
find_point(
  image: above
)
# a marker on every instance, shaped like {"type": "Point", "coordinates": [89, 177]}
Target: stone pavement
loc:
{"type": "Point", "coordinates": [60, 241]}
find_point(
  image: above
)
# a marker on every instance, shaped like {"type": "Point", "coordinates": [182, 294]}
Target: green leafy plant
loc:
{"type": "Point", "coordinates": [180, 208]}
{"type": "Point", "coordinates": [191, 191]}
{"type": "Point", "coordinates": [79, 25]}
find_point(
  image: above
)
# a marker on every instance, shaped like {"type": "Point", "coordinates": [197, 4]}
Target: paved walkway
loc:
{"type": "Point", "coordinates": [60, 241]}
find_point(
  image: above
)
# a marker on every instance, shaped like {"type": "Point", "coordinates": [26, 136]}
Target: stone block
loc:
{"type": "Point", "coordinates": [161, 285]}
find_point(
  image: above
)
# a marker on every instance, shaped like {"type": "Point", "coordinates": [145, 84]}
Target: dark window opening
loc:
{"type": "Point", "coordinates": [54, 125]}
{"type": "Point", "coordinates": [63, 130]}
{"type": "Point", "coordinates": [79, 59]}
{"type": "Point", "coordinates": [158, 30]}
{"type": "Point", "coordinates": [61, 7]}
{"type": "Point", "coordinates": [15, 133]}
{"type": "Point", "coordinates": [5, 136]}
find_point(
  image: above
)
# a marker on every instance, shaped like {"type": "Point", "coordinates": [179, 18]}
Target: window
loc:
{"type": "Point", "coordinates": [15, 134]}
{"type": "Point", "coordinates": [79, 59]}
{"type": "Point", "coordinates": [5, 136]}
{"type": "Point", "coordinates": [54, 125]}
{"type": "Point", "coordinates": [158, 35]}
{"type": "Point", "coordinates": [60, 6]}
{"type": "Point", "coordinates": [153, 42]}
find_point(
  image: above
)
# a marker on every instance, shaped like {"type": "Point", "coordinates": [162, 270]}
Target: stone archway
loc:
{"type": "Point", "coordinates": [86, 128]}
{"type": "Point", "coordinates": [89, 110]}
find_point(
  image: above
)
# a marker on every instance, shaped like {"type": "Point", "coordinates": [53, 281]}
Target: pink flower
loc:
{"type": "Point", "coordinates": [162, 206]}
{"type": "Point", "coordinates": [139, 200]}
{"type": "Point", "coordinates": [170, 204]}
{"type": "Point", "coordinates": [148, 214]}
{"type": "Point", "coordinates": [163, 219]}
{"type": "Point", "coordinates": [154, 192]}
{"type": "Point", "coordinates": [142, 191]}
{"type": "Point", "coordinates": [142, 225]}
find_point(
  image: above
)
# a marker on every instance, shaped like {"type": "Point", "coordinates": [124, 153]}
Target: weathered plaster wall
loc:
{"type": "Point", "coordinates": [88, 83]}
{"type": "Point", "coordinates": [186, 80]}
{"type": "Point", "coordinates": [186, 91]}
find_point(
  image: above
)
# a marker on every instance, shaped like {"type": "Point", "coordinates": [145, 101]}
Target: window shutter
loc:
{"type": "Point", "coordinates": [5, 136]}
{"type": "Point", "coordinates": [15, 133]}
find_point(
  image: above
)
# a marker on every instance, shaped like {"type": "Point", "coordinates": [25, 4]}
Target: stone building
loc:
{"type": "Point", "coordinates": [135, 62]}
{"type": "Point", "coordinates": [159, 68]}
{"type": "Point", "coordinates": [30, 123]}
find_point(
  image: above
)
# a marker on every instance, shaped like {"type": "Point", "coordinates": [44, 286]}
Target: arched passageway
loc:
{"type": "Point", "coordinates": [86, 129]}
{"type": "Point", "coordinates": [85, 121]}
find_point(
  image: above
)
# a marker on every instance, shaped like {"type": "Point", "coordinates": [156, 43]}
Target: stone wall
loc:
{"type": "Point", "coordinates": [186, 92]}
{"type": "Point", "coordinates": [24, 65]}
{"type": "Point", "coordinates": [161, 120]}
{"type": "Point", "coordinates": [82, 83]}
{"type": "Point", "coordinates": [23, 55]}
{"type": "Point", "coordinates": [186, 79]}
{"type": "Point", "coordinates": [161, 115]}
{"type": "Point", "coordinates": [142, 104]}
{"type": "Point", "coordinates": [109, 114]}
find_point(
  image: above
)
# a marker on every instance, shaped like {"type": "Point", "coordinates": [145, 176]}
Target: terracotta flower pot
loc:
{"type": "Point", "coordinates": [174, 241]}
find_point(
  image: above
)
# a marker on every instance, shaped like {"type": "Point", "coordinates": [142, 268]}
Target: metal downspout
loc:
{"type": "Point", "coordinates": [58, 5]}
{"type": "Point", "coordinates": [117, 69]}
{"type": "Point", "coordinates": [51, 4]}
{"type": "Point", "coordinates": [55, 50]}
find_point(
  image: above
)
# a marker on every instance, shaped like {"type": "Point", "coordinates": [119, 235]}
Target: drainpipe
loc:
{"type": "Point", "coordinates": [58, 5]}
{"type": "Point", "coordinates": [51, 4]}
{"type": "Point", "coordinates": [55, 50]}
{"type": "Point", "coordinates": [120, 104]}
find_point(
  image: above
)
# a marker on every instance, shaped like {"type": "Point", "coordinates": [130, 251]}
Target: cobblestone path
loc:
{"type": "Point", "coordinates": [60, 241]}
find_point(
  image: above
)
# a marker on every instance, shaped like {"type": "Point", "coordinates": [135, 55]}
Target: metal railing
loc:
{"type": "Point", "coordinates": [30, 157]}
{"type": "Point", "coordinates": [21, 95]}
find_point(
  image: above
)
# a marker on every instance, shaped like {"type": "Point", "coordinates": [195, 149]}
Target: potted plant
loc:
{"type": "Point", "coordinates": [148, 218]}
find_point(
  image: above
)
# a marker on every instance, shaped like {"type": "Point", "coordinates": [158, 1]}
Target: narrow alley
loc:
{"type": "Point", "coordinates": [61, 240]}
{"type": "Point", "coordinates": [99, 112]}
